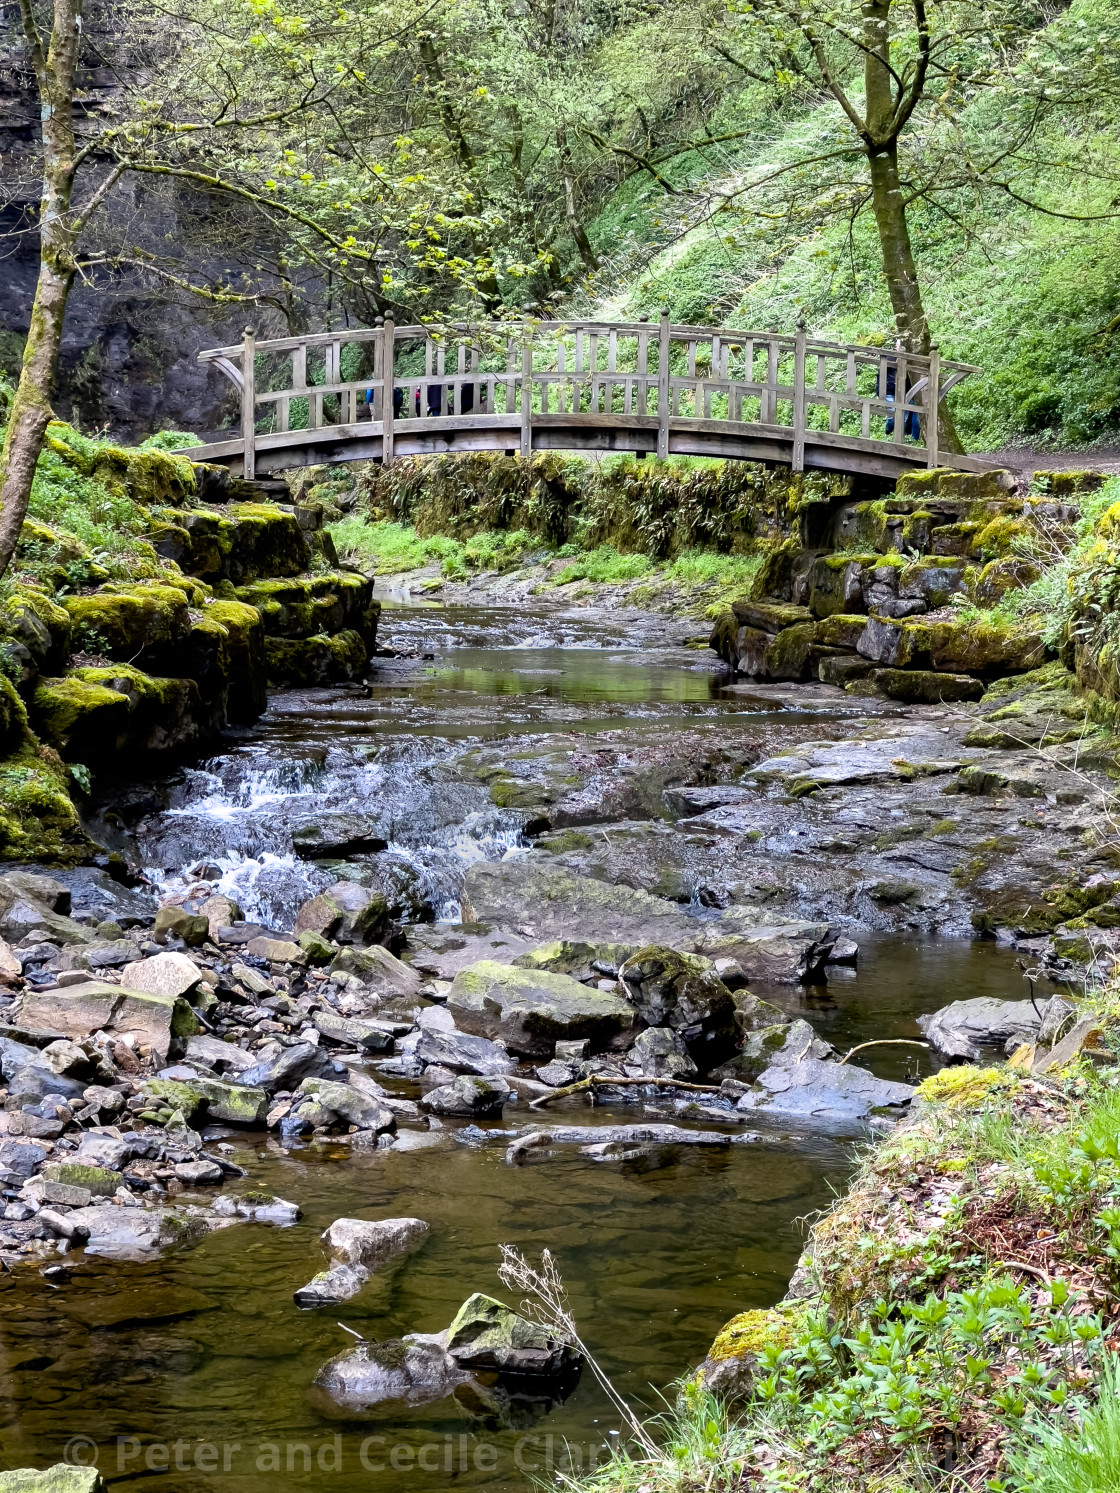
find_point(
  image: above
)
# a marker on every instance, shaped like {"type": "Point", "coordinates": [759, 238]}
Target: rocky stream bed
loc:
{"type": "Point", "coordinates": [377, 933]}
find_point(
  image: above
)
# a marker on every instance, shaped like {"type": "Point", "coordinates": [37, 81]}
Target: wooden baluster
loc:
{"type": "Point", "coordinates": [526, 395]}
{"type": "Point", "coordinates": [933, 407]}
{"type": "Point", "coordinates": [769, 403]}
{"type": "Point", "coordinates": [510, 383]}
{"type": "Point", "coordinates": [663, 387]}
{"type": "Point", "coordinates": [560, 368]}
{"type": "Point", "coordinates": [593, 366]}
{"type": "Point", "coordinates": [299, 374]}
{"type": "Point", "coordinates": [612, 366]}
{"type": "Point", "coordinates": [798, 463]}
{"type": "Point", "coordinates": [899, 399]}
{"type": "Point", "coordinates": [249, 403]}
{"type": "Point", "coordinates": [643, 373]}
{"type": "Point", "coordinates": [388, 351]}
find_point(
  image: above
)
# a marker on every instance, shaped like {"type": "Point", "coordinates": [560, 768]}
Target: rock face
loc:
{"type": "Point", "coordinates": [531, 1010]}
{"type": "Point", "coordinates": [357, 1248]}
{"type": "Point", "coordinates": [969, 1030]}
{"type": "Point", "coordinates": [559, 904]}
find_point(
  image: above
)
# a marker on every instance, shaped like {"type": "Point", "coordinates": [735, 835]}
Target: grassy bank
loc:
{"type": "Point", "coordinates": [954, 1324]}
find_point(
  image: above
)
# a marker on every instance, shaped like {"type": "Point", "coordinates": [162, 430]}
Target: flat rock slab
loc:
{"type": "Point", "coordinates": [593, 1137]}
{"type": "Point", "coordinates": [548, 902]}
{"type": "Point", "coordinates": [831, 763]}
{"type": "Point", "coordinates": [56, 1479]}
{"type": "Point", "coordinates": [823, 1090]}
{"type": "Point", "coordinates": [163, 974]}
{"type": "Point", "coordinates": [463, 1053]}
{"type": "Point", "coordinates": [78, 1010]}
{"type": "Point", "coordinates": [531, 1010]}
{"type": "Point", "coordinates": [441, 950]}
{"type": "Point", "coordinates": [966, 1029]}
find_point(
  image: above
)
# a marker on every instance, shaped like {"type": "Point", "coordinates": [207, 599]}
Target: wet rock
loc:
{"type": "Point", "coordinates": [407, 1372]}
{"type": "Point", "coordinates": [176, 922]}
{"type": "Point", "coordinates": [347, 1104]}
{"type": "Point", "coordinates": [557, 1075]}
{"type": "Point", "coordinates": [317, 949]}
{"type": "Point", "coordinates": [531, 1010]}
{"type": "Point", "coordinates": [99, 1181]}
{"type": "Point", "coordinates": [541, 1138]}
{"type": "Point", "coordinates": [780, 1042]}
{"type": "Point", "coordinates": [689, 801]}
{"type": "Point", "coordinates": [67, 1058]}
{"type": "Point", "coordinates": [380, 972]}
{"type": "Point", "coordinates": [965, 1029]}
{"type": "Point", "coordinates": [353, 1033]}
{"type": "Point", "coordinates": [469, 1096]}
{"type": "Point", "coordinates": [220, 912]}
{"type": "Point", "coordinates": [163, 974]}
{"type": "Point", "coordinates": [258, 1207]}
{"type": "Point", "coordinates": [660, 1052]}
{"type": "Point", "coordinates": [137, 1233]}
{"type": "Point", "coordinates": [358, 1248]}
{"type": "Point", "coordinates": [490, 1336]}
{"type": "Point", "coordinates": [463, 1054]}
{"type": "Point", "coordinates": [347, 913]}
{"type": "Point", "coordinates": [57, 1479]}
{"type": "Point", "coordinates": [336, 836]}
{"type": "Point", "coordinates": [585, 962]}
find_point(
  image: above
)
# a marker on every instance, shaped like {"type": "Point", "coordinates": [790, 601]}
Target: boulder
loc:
{"type": "Point", "coordinates": [177, 922]}
{"type": "Point", "coordinates": [66, 1057]}
{"type": "Point", "coordinates": [969, 1030]}
{"type": "Point", "coordinates": [925, 686]}
{"type": "Point", "coordinates": [79, 1010]}
{"type": "Point", "coordinates": [346, 912]}
{"type": "Point", "coordinates": [530, 1010]}
{"type": "Point", "coordinates": [490, 1336]}
{"type": "Point", "coordinates": [660, 1052]}
{"type": "Point", "coordinates": [57, 1479]}
{"type": "Point", "coordinates": [463, 1054]}
{"type": "Point", "coordinates": [380, 972]}
{"type": "Point", "coordinates": [559, 904]}
{"type": "Point", "coordinates": [286, 1068]}
{"type": "Point", "coordinates": [275, 950]}
{"type": "Point", "coordinates": [353, 1033]}
{"type": "Point", "coordinates": [236, 1104]}
{"type": "Point", "coordinates": [824, 1090]}
{"type": "Point", "coordinates": [163, 974]}
{"type": "Point", "coordinates": [683, 992]}
{"type": "Point", "coordinates": [336, 836]}
{"type": "Point", "coordinates": [402, 1371]}
{"type": "Point", "coordinates": [469, 1096]}
{"type": "Point", "coordinates": [781, 1042]}
{"type": "Point", "coordinates": [212, 1052]}
{"type": "Point", "coordinates": [357, 1248]}
{"type": "Point", "coordinates": [770, 616]}
{"type": "Point", "coordinates": [348, 1105]}
{"type": "Point", "coordinates": [220, 912]}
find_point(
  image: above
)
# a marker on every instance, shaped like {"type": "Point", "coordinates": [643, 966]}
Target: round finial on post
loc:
{"type": "Point", "coordinates": [801, 321]}
{"type": "Point", "coordinates": [643, 318]}
{"type": "Point", "coordinates": [379, 321]}
{"type": "Point", "coordinates": [248, 332]}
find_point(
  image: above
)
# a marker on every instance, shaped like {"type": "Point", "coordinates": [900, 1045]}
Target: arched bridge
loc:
{"type": "Point", "coordinates": [650, 388]}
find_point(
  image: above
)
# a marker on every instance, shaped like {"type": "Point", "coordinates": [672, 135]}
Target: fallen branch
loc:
{"type": "Point", "coordinates": [585, 1084]}
{"type": "Point", "coordinates": [882, 1042]}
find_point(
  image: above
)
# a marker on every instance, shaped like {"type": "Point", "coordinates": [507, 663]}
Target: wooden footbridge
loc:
{"type": "Point", "coordinates": [649, 388]}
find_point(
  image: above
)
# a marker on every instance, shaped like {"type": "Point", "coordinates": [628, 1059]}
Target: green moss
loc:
{"type": "Point", "coordinates": [38, 820]}
{"type": "Point", "coordinates": [129, 622]}
{"type": "Point", "coordinates": [963, 1086]}
{"type": "Point", "coordinates": [315, 661]}
{"type": "Point", "coordinates": [748, 1334]}
{"type": "Point", "coordinates": [567, 840]}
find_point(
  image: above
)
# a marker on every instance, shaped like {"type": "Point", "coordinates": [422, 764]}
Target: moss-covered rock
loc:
{"type": "Point", "coordinates": [234, 1103]}
{"type": "Point", "coordinates": [244, 543]}
{"type": "Point", "coordinates": [307, 606]}
{"type": "Point", "coordinates": [34, 633]}
{"type": "Point", "coordinates": [836, 585]}
{"type": "Point", "coordinates": [998, 577]}
{"type": "Point", "coordinates": [733, 1360]}
{"type": "Point", "coordinates": [315, 661]}
{"type": "Point", "coordinates": [925, 686]}
{"type": "Point", "coordinates": [93, 714]}
{"type": "Point", "coordinates": [38, 820]}
{"type": "Point", "coordinates": [841, 630]}
{"type": "Point", "coordinates": [946, 482]}
{"type": "Point", "coordinates": [144, 623]}
{"type": "Point", "coordinates": [247, 670]}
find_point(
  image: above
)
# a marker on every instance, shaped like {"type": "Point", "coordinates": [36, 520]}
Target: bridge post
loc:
{"type": "Point", "coordinates": [933, 407]}
{"type": "Point", "coordinates": [526, 394]}
{"type": "Point", "coordinates": [249, 403]}
{"type": "Point", "coordinates": [797, 460]}
{"type": "Point", "coordinates": [663, 387]}
{"type": "Point", "coordinates": [388, 357]}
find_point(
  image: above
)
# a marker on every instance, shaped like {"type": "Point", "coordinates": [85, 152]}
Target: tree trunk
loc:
{"type": "Point", "coordinates": [31, 406]}
{"type": "Point", "coordinates": [571, 213]}
{"type": "Point", "coordinates": [880, 140]}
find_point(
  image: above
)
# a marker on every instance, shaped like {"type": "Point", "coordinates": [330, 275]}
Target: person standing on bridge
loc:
{"type": "Point", "coordinates": [911, 424]}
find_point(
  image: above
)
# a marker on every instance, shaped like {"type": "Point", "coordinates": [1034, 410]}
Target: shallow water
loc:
{"type": "Point", "coordinates": [198, 1367]}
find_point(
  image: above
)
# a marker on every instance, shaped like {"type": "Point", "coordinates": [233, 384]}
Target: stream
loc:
{"type": "Point", "coordinates": [197, 1367]}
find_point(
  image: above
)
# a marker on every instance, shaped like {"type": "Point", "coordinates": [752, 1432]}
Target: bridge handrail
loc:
{"type": "Point", "coordinates": [737, 367]}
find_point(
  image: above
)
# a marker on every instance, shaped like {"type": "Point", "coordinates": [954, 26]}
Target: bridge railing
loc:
{"type": "Point", "coordinates": [642, 376]}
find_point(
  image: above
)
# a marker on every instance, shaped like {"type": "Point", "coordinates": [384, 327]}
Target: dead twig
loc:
{"type": "Point", "coordinates": [883, 1042]}
{"type": "Point", "coordinates": [586, 1084]}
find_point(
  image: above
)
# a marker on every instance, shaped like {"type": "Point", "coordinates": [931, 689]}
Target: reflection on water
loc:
{"type": "Point", "coordinates": [198, 1367]}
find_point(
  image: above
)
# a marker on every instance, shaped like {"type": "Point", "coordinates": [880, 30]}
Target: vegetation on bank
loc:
{"type": "Point", "coordinates": [956, 1323]}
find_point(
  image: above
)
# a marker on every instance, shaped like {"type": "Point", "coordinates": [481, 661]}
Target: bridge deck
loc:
{"type": "Point", "coordinates": [645, 388]}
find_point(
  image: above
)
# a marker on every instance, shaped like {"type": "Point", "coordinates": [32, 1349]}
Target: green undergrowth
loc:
{"type": "Point", "coordinates": [956, 1325]}
{"type": "Point", "coordinates": [390, 548]}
